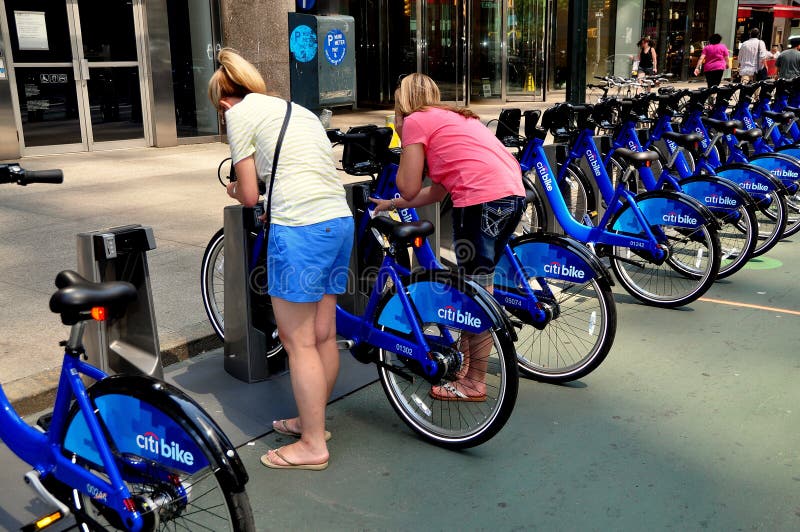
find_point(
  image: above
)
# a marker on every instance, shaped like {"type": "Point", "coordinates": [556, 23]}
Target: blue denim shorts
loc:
{"type": "Point", "coordinates": [306, 262]}
{"type": "Point", "coordinates": [481, 232]}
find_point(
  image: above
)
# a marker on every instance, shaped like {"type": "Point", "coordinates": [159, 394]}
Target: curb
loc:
{"type": "Point", "coordinates": [36, 393]}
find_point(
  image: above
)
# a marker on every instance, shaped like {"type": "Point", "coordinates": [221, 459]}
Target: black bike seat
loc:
{"type": "Point", "coordinates": [684, 140]}
{"type": "Point", "coordinates": [748, 135]}
{"type": "Point", "coordinates": [636, 156]}
{"type": "Point", "coordinates": [402, 231]}
{"type": "Point", "coordinates": [77, 296]}
{"type": "Point", "coordinates": [723, 126]}
{"type": "Point", "coordinates": [780, 116]}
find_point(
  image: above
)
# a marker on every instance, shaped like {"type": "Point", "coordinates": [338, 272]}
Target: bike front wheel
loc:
{"type": "Point", "coordinates": [581, 331]}
{"type": "Point", "coordinates": [487, 374]}
{"type": "Point", "coordinates": [691, 266]}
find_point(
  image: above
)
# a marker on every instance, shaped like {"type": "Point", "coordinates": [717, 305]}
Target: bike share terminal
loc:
{"type": "Point", "coordinates": [129, 344]}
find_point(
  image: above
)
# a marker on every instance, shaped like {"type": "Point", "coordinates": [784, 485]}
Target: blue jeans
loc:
{"type": "Point", "coordinates": [481, 232]}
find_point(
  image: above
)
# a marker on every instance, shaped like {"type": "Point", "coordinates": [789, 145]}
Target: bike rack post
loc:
{"type": "Point", "coordinates": [129, 344]}
{"type": "Point", "coordinates": [252, 354]}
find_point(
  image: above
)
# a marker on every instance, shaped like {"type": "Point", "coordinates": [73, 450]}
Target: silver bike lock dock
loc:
{"type": "Point", "coordinates": [129, 344]}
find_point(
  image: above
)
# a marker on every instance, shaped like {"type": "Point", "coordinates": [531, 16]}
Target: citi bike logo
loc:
{"type": "Point", "coordinates": [569, 271]}
{"type": "Point", "coordinates": [405, 215]}
{"type": "Point", "coordinates": [748, 123]}
{"type": "Point", "coordinates": [593, 162]}
{"type": "Point", "coordinates": [750, 185]}
{"type": "Point", "coordinates": [455, 315]}
{"type": "Point", "coordinates": [545, 176]}
{"type": "Point", "coordinates": [703, 141]}
{"type": "Point", "coordinates": [677, 218]}
{"type": "Point", "coordinates": [716, 199]}
{"type": "Point", "coordinates": [632, 146]}
{"type": "Point", "coordinates": [151, 443]}
{"type": "Point", "coordinates": [784, 172]}
{"type": "Point", "coordinates": [96, 493]}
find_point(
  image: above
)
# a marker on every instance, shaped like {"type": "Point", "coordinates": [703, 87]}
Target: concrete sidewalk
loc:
{"type": "Point", "coordinates": [173, 190]}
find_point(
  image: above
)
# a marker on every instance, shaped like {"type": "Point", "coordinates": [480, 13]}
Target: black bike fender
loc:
{"type": "Point", "coordinates": [601, 272]}
{"type": "Point", "coordinates": [194, 420]}
{"type": "Point", "coordinates": [671, 194]}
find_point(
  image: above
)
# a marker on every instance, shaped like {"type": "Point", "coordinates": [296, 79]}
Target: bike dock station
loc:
{"type": "Point", "coordinates": [129, 344]}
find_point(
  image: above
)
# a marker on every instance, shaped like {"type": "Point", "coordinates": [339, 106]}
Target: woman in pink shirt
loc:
{"type": "Point", "coordinates": [484, 180]}
{"type": "Point", "coordinates": [714, 60]}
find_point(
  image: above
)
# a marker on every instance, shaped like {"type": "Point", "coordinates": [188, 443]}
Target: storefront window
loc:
{"type": "Point", "coordinates": [193, 46]}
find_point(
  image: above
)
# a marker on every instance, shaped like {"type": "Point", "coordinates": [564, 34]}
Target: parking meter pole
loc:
{"type": "Point", "coordinates": [130, 344]}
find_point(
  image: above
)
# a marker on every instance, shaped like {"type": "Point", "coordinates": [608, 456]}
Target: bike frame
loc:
{"type": "Point", "coordinates": [534, 157]}
{"type": "Point", "coordinates": [717, 198]}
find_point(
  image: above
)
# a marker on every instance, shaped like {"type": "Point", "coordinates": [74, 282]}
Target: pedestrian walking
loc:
{"type": "Point", "coordinates": [648, 59]}
{"type": "Point", "coordinates": [788, 63]}
{"type": "Point", "coordinates": [714, 60]}
{"type": "Point", "coordinates": [752, 58]}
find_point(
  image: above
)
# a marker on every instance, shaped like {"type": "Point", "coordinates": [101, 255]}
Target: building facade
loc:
{"type": "Point", "coordinates": [82, 75]}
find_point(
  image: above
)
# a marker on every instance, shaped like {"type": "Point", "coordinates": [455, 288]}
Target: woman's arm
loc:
{"type": "Point", "coordinates": [700, 62]}
{"type": "Point", "coordinates": [426, 196]}
{"type": "Point", "coordinates": [409, 175]}
{"type": "Point", "coordinates": [245, 188]}
{"type": "Point", "coordinates": [655, 60]}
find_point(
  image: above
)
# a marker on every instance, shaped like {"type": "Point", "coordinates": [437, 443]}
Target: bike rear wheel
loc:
{"type": "Point", "coordinates": [454, 424]}
{"type": "Point", "coordinates": [689, 271]}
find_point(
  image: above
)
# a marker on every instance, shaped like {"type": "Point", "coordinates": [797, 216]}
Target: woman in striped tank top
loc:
{"type": "Point", "coordinates": [310, 240]}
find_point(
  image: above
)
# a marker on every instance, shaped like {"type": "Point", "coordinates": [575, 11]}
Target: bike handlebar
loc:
{"type": "Point", "coordinates": [14, 173]}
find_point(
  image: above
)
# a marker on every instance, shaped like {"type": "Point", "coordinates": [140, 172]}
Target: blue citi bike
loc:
{"type": "Point", "coordinates": [732, 207]}
{"type": "Point", "coordinates": [555, 292]}
{"type": "Point", "coordinates": [127, 452]}
{"type": "Point", "coordinates": [421, 329]}
{"type": "Point", "coordinates": [662, 245]}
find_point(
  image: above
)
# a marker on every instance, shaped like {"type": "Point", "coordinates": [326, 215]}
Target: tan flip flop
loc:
{"type": "Point", "coordinates": [289, 465]}
{"type": "Point", "coordinates": [281, 427]}
{"type": "Point", "coordinates": [454, 394]}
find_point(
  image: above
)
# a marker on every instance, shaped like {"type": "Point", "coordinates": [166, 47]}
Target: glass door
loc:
{"type": "Point", "coordinates": [110, 75]}
{"type": "Point", "coordinates": [443, 50]}
{"type": "Point", "coordinates": [525, 42]}
{"type": "Point", "coordinates": [75, 65]}
{"type": "Point", "coordinates": [41, 66]}
{"type": "Point", "coordinates": [486, 38]}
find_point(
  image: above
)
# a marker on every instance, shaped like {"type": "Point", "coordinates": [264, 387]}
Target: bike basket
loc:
{"type": "Point", "coordinates": [364, 156]}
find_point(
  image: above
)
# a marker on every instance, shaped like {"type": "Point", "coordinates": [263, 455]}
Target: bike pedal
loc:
{"type": "Point", "coordinates": [43, 522]}
{"type": "Point", "coordinates": [45, 420]}
{"type": "Point", "coordinates": [33, 480]}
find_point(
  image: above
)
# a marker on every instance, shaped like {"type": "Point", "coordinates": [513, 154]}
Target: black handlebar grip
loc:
{"type": "Point", "coordinates": [54, 176]}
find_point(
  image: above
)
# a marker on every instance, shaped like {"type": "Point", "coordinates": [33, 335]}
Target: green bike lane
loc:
{"type": "Point", "coordinates": [690, 423]}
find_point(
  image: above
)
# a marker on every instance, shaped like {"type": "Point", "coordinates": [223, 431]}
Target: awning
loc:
{"type": "Point", "coordinates": [744, 12]}
{"type": "Point", "coordinates": [786, 11]}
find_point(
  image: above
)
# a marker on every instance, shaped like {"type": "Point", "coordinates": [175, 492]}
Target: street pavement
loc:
{"type": "Point", "coordinates": [691, 423]}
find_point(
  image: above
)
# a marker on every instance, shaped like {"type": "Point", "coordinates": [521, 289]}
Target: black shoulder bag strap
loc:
{"type": "Point", "coordinates": [275, 165]}
{"type": "Point", "coordinates": [268, 217]}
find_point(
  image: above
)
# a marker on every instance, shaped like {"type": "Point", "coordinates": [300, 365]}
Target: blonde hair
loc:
{"type": "Point", "coordinates": [418, 92]}
{"type": "Point", "coordinates": [235, 77]}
